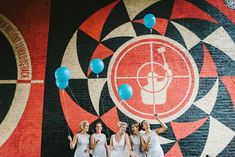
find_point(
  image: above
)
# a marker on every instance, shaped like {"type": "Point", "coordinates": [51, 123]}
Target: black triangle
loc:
{"type": "Point", "coordinates": [78, 91]}
{"type": "Point", "coordinates": [193, 144]}
{"type": "Point", "coordinates": [106, 102]}
{"type": "Point", "coordinates": [192, 114]}
{"type": "Point", "coordinates": [85, 48]}
{"type": "Point", "coordinates": [223, 110]}
{"type": "Point", "coordinates": [117, 17]}
{"type": "Point", "coordinates": [225, 65]}
{"type": "Point", "coordinates": [167, 147]}
{"type": "Point", "coordinates": [201, 28]}
{"type": "Point", "coordinates": [114, 43]}
{"type": "Point", "coordinates": [174, 34]}
{"type": "Point", "coordinates": [197, 53]}
{"type": "Point", "coordinates": [161, 9]}
{"type": "Point", "coordinates": [205, 84]}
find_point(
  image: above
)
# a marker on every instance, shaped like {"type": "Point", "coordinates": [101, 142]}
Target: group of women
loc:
{"type": "Point", "coordinates": [121, 144]}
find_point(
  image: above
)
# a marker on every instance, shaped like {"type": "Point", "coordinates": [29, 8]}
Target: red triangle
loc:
{"type": "Point", "coordinates": [161, 25]}
{"type": "Point", "coordinates": [111, 119]}
{"type": "Point", "coordinates": [174, 151]}
{"type": "Point", "coordinates": [101, 52]}
{"type": "Point", "coordinates": [73, 113]}
{"type": "Point", "coordinates": [208, 68]}
{"type": "Point", "coordinates": [182, 130]}
{"type": "Point", "coordinates": [184, 9]}
{"type": "Point", "coordinates": [229, 82]}
{"type": "Point", "coordinates": [94, 24]}
{"type": "Point", "coordinates": [139, 21]}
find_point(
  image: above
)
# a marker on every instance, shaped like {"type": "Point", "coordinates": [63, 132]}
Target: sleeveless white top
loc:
{"type": "Point", "coordinates": [99, 150]}
{"type": "Point", "coordinates": [137, 146]}
{"type": "Point", "coordinates": [82, 144]}
{"type": "Point", "coordinates": [155, 149]}
{"type": "Point", "coordinates": [118, 147]}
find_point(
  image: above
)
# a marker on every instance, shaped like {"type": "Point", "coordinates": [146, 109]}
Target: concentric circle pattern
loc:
{"type": "Point", "coordinates": [182, 71]}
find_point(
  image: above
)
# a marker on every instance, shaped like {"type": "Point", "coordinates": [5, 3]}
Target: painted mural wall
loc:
{"type": "Point", "coordinates": [183, 70]}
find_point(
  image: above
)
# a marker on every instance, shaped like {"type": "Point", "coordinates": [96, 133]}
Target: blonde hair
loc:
{"type": "Point", "coordinates": [120, 124]}
{"type": "Point", "coordinates": [83, 123]}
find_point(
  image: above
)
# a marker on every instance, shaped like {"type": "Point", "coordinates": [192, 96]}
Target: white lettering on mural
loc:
{"type": "Point", "coordinates": [19, 46]}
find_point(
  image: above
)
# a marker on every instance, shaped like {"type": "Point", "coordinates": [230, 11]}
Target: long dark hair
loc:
{"type": "Point", "coordinates": [141, 125]}
{"type": "Point", "coordinates": [136, 124]}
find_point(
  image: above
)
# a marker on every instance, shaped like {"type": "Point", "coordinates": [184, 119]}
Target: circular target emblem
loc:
{"type": "Point", "coordinates": [162, 73]}
{"type": "Point", "coordinates": [180, 71]}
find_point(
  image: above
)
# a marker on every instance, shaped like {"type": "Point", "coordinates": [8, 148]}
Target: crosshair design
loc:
{"type": "Point", "coordinates": [142, 62]}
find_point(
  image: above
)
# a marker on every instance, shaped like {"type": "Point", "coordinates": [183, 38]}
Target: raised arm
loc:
{"type": "Point", "coordinates": [163, 127]}
{"type": "Point", "coordinates": [72, 141]}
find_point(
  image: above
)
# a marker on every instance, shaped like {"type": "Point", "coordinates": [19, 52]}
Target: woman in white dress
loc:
{"type": "Point", "coordinates": [98, 142]}
{"type": "Point", "coordinates": [119, 141]}
{"type": "Point", "coordinates": [135, 141]}
{"type": "Point", "coordinates": [82, 141]}
{"type": "Point", "coordinates": [150, 139]}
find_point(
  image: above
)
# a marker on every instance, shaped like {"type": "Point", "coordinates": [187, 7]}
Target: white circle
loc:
{"type": "Point", "coordinates": [193, 64]}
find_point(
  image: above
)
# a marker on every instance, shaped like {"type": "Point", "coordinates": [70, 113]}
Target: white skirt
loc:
{"type": "Point", "coordinates": [117, 153]}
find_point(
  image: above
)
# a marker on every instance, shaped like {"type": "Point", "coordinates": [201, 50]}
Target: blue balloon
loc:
{"type": "Point", "coordinates": [149, 21]}
{"type": "Point", "coordinates": [125, 91]}
{"type": "Point", "coordinates": [97, 65]}
{"type": "Point", "coordinates": [62, 85]}
{"type": "Point", "coordinates": [62, 74]}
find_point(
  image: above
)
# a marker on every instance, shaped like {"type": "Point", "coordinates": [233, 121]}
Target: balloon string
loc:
{"type": "Point", "coordinates": [151, 51]}
{"type": "Point", "coordinates": [66, 111]}
{"type": "Point", "coordinates": [78, 103]}
{"type": "Point", "coordinates": [107, 130]}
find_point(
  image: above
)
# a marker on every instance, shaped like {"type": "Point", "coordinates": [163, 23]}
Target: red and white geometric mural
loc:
{"type": "Point", "coordinates": [184, 70]}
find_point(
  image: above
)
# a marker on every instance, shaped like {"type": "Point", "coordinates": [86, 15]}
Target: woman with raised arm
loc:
{"type": "Point", "coordinates": [98, 142]}
{"type": "Point", "coordinates": [82, 141]}
{"type": "Point", "coordinates": [150, 139]}
{"type": "Point", "coordinates": [135, 141]}
{"type": "Point", "coordinates": [119, 141]}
